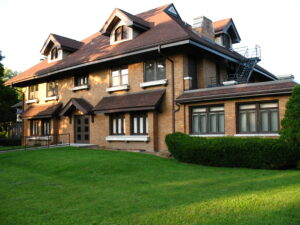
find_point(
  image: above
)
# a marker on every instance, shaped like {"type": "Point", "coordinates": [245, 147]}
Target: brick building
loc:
{"type": "Point", "coordinates": [146, 75]}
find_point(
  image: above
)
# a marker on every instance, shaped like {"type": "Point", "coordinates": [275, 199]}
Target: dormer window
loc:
{"type": "Point", "coordinates": [54, 54]}
{"type": "Point", "coordinates": [121, 33]}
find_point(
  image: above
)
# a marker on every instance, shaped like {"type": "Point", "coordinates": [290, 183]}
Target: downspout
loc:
{"type": "Point", "coordinates": [173, 87]}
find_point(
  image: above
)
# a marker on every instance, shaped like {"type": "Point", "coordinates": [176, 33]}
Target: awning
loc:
{"type": "Point", "coordinates": [41, 111]}
{"type": "Point", "coordinates": [140, 101]}
{"type": "Point", "coordinates": [77, 103]}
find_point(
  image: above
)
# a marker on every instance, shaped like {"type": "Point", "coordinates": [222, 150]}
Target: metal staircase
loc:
{"type": "Point", "coordinates": [245, 68]}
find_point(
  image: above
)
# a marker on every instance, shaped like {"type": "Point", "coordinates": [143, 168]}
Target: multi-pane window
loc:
{"type": "Point", "coordinates": [208, 120]}
{"type": "Point", "coordinates": [81, 80]}
{"type": "Point", "coordinates": [258, 117]}
{"type": "Point", "coordinates": [33, 91]}
{"type": "Point", "coordinates": [121, 33]}
{"type": "Point", "coordinates": [54, 53]}
{"type": "Point", "coordinates": [119, 77]}
{"type": "Point", "coordinates": [139, 123]}
{"type": "Point", "coordinates": [117, 124]}
{"type": "Point", "coordinates": [52, 89]}
{"type": "Point", "coordinates": [155, 70]}
{"type": "Point", "coordinates": [46, 127]}
{"type": "Point", "coordinates": [34, 127]}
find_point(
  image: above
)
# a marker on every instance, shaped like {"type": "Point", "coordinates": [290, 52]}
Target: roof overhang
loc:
{"type": "Point", "coordinates": [41, 111]}
{"type": "Point", "coordinates": [77, 104]}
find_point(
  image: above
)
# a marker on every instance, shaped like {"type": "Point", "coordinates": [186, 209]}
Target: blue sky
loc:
{"type": "Point", "coordinates": [25, 25]}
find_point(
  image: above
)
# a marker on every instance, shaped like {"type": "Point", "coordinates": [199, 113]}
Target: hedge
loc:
{"type": "Point", "coordinates": [10, 141]}
{"type": "Point", "coordinates": [262, 153]}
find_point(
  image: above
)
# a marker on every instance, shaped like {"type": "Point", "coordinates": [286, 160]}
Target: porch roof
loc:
{"type": "Point", "coordinates": [139, 101]}
{"type": "Point", "coordinates": [77, 103]}
{"type": "Point", "coordinates": [41, 111]}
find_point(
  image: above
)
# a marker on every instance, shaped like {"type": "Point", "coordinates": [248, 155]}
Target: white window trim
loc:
{"type": "Point", "coordinates": [188, 78]}
{"type": "Point", "coordinates": [82, 87]}
{"type": "Point", "coordinates": [30, 101]}
{"type": "Point", "coordinates": [118, 88]}
{"type": "Point", "coordinates": [127, 138]}
{"type": "Point", "coordinates": [208, 135]}
{"type": "Point", "coordinates": [258, 135]}
{"type": "Point", "coordinates": [55, 97]}
{"type": "Point", "coordinates": [154, 83]}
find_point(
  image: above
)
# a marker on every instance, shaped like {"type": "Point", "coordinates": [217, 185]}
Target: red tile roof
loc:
{"type": "Point", "coordinates": [279, 87]}
{"type": "Point", "coordinates": [145, 100]}
{"type": "Point", "coordinates": [41, 111]}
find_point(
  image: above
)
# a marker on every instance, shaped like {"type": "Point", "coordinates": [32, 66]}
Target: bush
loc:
{"type": "Point", "coordinates": [10, 141]}
{"type": "Point", "coordinates": [290, 131]}
{"type": "Point", "coordinates": [263, 153]}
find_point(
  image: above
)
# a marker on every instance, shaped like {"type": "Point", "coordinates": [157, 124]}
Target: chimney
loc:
{"type": "Point", "coordinates": [203, 26]}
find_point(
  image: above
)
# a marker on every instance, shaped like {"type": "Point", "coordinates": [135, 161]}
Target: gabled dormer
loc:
{"type": "Point", "coordinates": [226, 33]}
{"type": "Point", "coordinates": [123, 26]}
{"type": "Point", "coordinates": [56, 47]}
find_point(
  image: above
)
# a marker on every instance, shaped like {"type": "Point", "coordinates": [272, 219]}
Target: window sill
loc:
{"type": "Point", "coordinates": [83, 87]}
{"type": "Point", "coordinates": [118, 88]}
{"type": "Point", "coordinates": [154, 83]}
{"type": "Point", "coordinates": [208, 135]}
{"type": "Point", "coordinates": [40, 138]}
{"type": "Point", "coordinates": [51, 98]}
{"type": "Point", "coordinates": [258, 135]}
{"type": "Point", "coordinates": [128, 138]}
{"type": "Point", "coordinates": [30, 101]}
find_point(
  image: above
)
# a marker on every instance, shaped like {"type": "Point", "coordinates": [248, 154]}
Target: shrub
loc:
{"type": "Point", "coordinates": [10, 141]}
{"type": "Point", "coordinates": [290, 131]}
{"type": "Point", "coordinates": [263, 153]}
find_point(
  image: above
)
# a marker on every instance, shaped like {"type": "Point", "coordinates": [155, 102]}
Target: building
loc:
{"type": "Point", "coordinates": [146, 75]}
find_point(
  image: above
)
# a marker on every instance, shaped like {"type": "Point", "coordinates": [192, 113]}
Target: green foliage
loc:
{"type": "Point", "coordinates": [8, 74]}
{"type": "Point", "coordinates": [8, 97]}
{"type": "Point", "coordinates": [262, 153]}
{"type": "Point", "coordinates": [290, 131]}
{"type": "Point", "coordinates": [10, 141]}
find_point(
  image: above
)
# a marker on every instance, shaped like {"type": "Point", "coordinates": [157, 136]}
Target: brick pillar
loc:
{"type": "Point", "coordinates": [230, 118]}
{"type": "Point", "coordinates": [127, 124]}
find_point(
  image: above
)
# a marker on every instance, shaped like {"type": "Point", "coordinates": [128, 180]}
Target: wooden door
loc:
{"type": "Point", "coordinates": [82, 129]}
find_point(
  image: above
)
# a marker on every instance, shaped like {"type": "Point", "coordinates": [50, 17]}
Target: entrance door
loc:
{"type": "Point", "coordinates": [82, 129]}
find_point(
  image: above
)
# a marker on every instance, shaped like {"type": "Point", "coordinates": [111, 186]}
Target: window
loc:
{"type": "Point", "coordinates": [33, 91]}
{"type": "Point", "coordinates": [117, 124]}
{"type": "Point", "coordinates": [139, 123]}
{"type": "Point", "coordinates": [52, 89]}
{"type": "Point", "coordinates": [34, 127]}
{"type": "Point", "coordinates": [258, 118]}
{"type": "Point", "coordinates": [46, 127]}
{"type": "Point", "coordinates": [208, 120]}
{"type": "Point", "coordinates": [54, 54]}
{"type": "Point", "coordinates": [81, 80]}
{"type": "Point", "coordinates": [121, 33]}
{"type": "Point", "coordinates": [119, 77]}
{"type": "Point", "coordinates": [155, 70]}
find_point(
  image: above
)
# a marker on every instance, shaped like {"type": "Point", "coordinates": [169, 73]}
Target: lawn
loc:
{"type": "Point", "coordinates": [77, 186]}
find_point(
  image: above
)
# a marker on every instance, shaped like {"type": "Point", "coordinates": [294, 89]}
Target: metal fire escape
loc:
{"type": "Point", "coordinates": [245, 68]}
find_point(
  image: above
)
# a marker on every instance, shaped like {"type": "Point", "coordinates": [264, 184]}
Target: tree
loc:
{"type": "Point", "coordinates": [8, 97]}
{"type": "Point", "coordinates": [290, 131]}
{"type": "Point", "coordinates": [8, 74]}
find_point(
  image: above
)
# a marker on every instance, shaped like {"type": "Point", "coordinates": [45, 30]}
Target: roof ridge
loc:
{"type": "Point", "coordinates": [64, 37]}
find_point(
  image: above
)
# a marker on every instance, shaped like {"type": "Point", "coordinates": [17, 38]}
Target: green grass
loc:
{"type": "Point", "coordinates": [71, 186]}
{"type": "Point", "coordinates": [4, 148]}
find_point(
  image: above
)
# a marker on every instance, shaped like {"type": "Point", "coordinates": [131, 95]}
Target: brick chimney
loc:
{"type": "Point", "coordinates": [203, 26]}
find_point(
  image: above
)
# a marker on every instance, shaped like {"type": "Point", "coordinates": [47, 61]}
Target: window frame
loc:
{"type": "Point", "coordinates": [207, 114]}
{"type": "Point", "coordinates": [123, 33]}
{"type": "Point", "coordinates": [117, 116]}
{"type": "Point", "coordinates": [139, 115]}
{"type": "Point", "coordinates": [34, 127]}
{"type": "Point", "coordinates": [120, 76]}
{"type": "Point", "coordinates": [77, 78]}
{"type": "Point", "coordinates": [54, 53]}
{"type": "Point", "coordinates": [258, 117]}
{"type": "Point", "coordinates": [35, 91]}
{"type": "Point", "coordinates": [56, 87]}
{"type": "Point", "coordinates": [46, 122]}
{"type": "Point", "coordinates": [155, 69]}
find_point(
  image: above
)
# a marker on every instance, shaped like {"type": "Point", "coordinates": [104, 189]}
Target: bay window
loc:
{"type": "Point", "coordinates": [207, 120]}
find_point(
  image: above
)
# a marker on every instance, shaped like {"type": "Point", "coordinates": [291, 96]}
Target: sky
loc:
{"type": "Point", "coordinates": [271, 24]}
